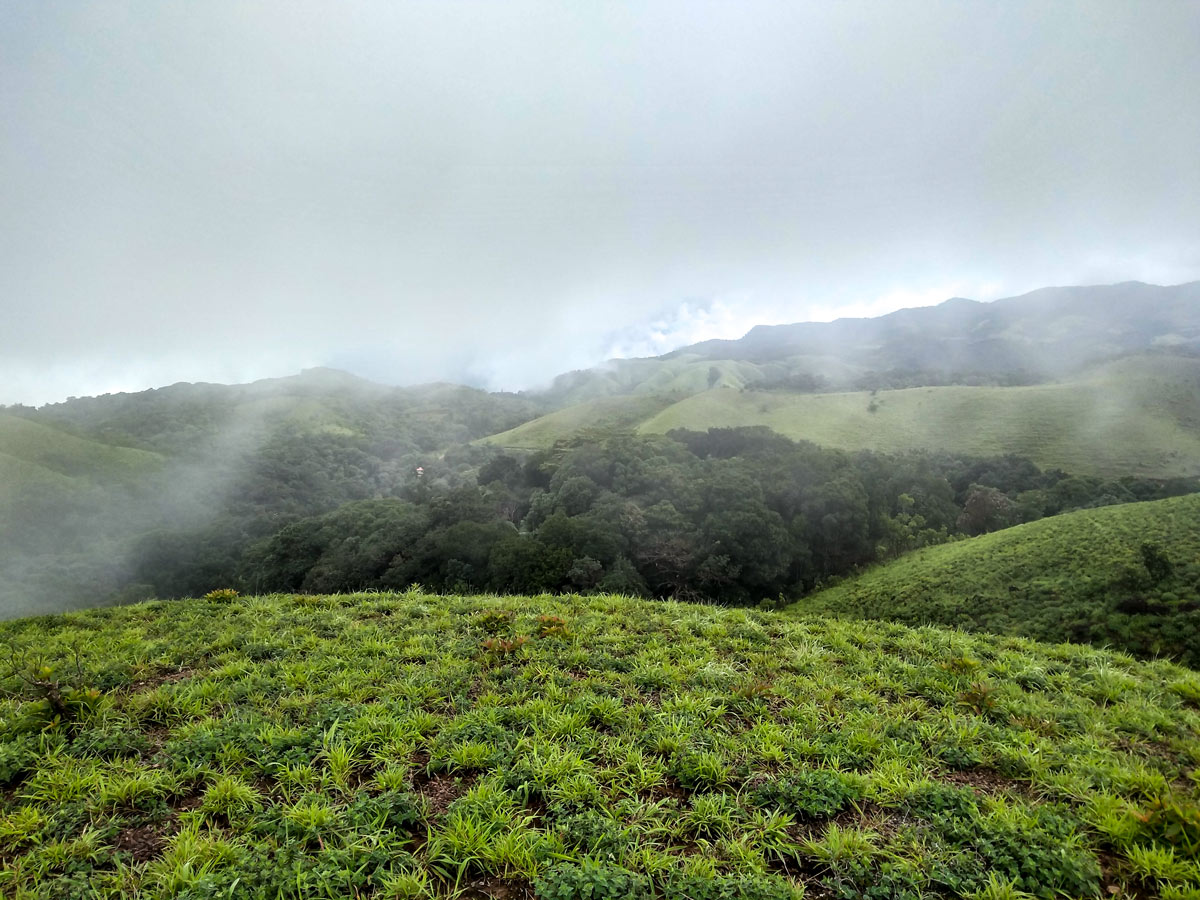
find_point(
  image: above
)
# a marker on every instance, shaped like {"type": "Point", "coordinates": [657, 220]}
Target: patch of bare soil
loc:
{"type": "Point", "coordinates": [442, 790]}
{"type": "Point", "coordinates": [167, 676]}
{"type": "Point", "coordinates": [986, 781]}
{"type": "Point", "coordinates": [498, 889]}
{"type": "Point", "coordinates": [145, 842]}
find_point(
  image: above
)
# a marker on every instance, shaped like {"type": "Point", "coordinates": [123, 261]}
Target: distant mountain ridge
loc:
{"type": "Point", "coordinates": [1039, 336]}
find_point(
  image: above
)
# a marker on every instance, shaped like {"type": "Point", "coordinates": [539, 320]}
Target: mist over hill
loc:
{"type": "Point", "coordinates": [1046, 334]}
{"type": "Point", "coordinates": [177, 490]}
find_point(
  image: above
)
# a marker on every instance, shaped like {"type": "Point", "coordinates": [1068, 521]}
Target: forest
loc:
{"type": "Point", "coordinates": [732, 516]}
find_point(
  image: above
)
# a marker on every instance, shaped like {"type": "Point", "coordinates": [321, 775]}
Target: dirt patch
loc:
{"type": "Point", "coordinates": [668, 789]}
{"type": "Point", "coordinates": [442, 790]}
{"type": "Point", "coordinates": [420, 762]}
{"type": "Point", "coordinates": [1113, 885]}
{"type": "Point", "coordinates": [168, 676]}
{"type": "Point", "coordinates": [189, 801]}
{"type": "Point", "coordinates": [987, 781]}
{"type": "Point", "coordinates": [145, 842]}
{"type": "Point", "coordinates": [498, 889]}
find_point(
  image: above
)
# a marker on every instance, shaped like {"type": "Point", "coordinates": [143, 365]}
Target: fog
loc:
{"type": "Point", "coordinates": [496, 193]}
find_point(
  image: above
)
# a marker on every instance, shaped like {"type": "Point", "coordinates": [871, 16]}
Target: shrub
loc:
{"type": "Point", "coordinates": [591, 881]}
{"type": "Point", "coordinates": [1174, 822]}
{"type": "Point", "coordinates": [817, 794]}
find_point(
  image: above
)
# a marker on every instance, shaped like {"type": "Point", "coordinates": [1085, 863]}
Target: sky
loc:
{"type": "Point", "coordinates": [494, 193]}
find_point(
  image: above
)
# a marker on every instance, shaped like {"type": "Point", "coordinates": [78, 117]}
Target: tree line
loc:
{"type": "Point", "coordinates": [737, 516]}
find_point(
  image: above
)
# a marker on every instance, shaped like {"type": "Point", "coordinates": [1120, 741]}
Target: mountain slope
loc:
{"type": "Point", "coordinates": [409, 745]}
{"type": "Point", "coordinates": [62, 453]}
{"type": "Point", "coordinates": [602, 417]}
{"type": "Point", "coordinates": [216, 467]}
{"type": "Point", "coordinates": [1139, 415]}
{"type": "Point", "coordinates": [1047, 334]}
{"type": "Point", "coordinates": [1078, 576]}
{"type": "Point", "coordinates": [1048, 331]}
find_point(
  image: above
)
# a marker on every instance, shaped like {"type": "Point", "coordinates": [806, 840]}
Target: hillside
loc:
{"type": "Point", "coordinates": [406, 746]}
{"type": "Point", "coordinates": [1044, 335]}
{"type": "Point", "coordinates": [96, 492]}
{"type": "Point", "coordinates": [1049, 331]}
{"type": "Point", "coordinates": [1079, 576]}
{"type": "Point", "coordinates": [600, 418]}
{"type": "Point", "coordinates": [57, 452]}
{"type": "Point", "coordinates": [1138, 415]}
{"type": "Point", "coordinates": [45, 471]}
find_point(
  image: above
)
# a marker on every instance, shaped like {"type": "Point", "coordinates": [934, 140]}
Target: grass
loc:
{"type": "Point", "coordinates": [1079, 576]}
{"type": "Point", "coordinates": [42, 466]}
{"type": "Point", "coordinates": [402, 746]}
{"type": "Point", "coordinates": [56, 452]}
{"type": "Point", "coordinates": [1137, 416]}
{"type": "Point", "coordinates": [602, 416]}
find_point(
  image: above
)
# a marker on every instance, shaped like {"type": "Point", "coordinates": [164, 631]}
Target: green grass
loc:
{"type": "Point", "coordinates": [59, 453]}
{"type": "Point", "coordinates": [410, 745]}
{"type": "Point", "coordinates": [45, 465]}
{"type": "Point", "coordinates": [1137, 416]}
{"type": "Point", "coordinates": [603, 416]}
{"type": "Point", "coordinates": [1078, 576]}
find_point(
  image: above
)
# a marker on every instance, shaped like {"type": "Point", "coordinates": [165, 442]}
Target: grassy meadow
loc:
{"type": "Point", "coordinates": [1079, 576]}
{"type": "Point", "coordinates": [1136, 416]}
{"type": "Point", "coordinates": [410, 745]}
{"type": "Point", "coordinates": [601, 416]}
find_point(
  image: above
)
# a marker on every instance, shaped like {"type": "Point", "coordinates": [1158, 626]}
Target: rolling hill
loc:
{"type": "Point", "coordinates": [1078, 576]}
{"type": "Point", "coordinates": [414, 746]}
{"type": "Point", "coordinates": [1044, 335]}
{"type": "Point", "coordinates": [42, 466]}
{"type": "Point", "coordinates": [59, 452]}
{"type": "Point", "coordinates": [1138, 415]}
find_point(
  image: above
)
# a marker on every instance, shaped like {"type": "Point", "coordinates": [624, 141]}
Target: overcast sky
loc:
{"type": "Point", "coordinates": [500, 191]}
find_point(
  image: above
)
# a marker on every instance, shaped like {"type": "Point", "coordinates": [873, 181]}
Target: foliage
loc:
{"type": "Point", "coordinates": [1082, 576]}
{"type": "Point", "coordinates": [362, 745]}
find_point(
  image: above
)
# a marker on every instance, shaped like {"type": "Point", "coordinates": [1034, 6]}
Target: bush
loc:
{"type": "Point", "coordinates": [809, 795]}
{"type": "Point", "coordinates": [591, 881]}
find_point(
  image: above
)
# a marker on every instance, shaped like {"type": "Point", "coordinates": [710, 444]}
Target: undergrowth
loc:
{"type": "Point", "coordinates": [406, 746]}
{"type": "Point", "coordinates": [1123, 576]}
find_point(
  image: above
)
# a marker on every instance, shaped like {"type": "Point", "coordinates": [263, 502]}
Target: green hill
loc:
{"type": "Point", "coordinates": [602, 417]}
{"type": "Point", "coordinates": [1079, 576]}
{"type": "Point", "coordinates": [403, 746]}
{"type": "Point", "coordinates": [45, 467]}
{"type": "Point", "coordinates": [1136, 416]}
{"type": "Point", "coordinates": [1044, 335]}
{"type": "Point", "coordinates": [57, 452]}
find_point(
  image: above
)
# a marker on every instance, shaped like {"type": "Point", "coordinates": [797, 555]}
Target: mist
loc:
{"type": "Point", "coordinates": [493, 194]}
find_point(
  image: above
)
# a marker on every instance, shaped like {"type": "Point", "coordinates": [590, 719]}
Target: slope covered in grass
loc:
{"type": "Point", "coordinates": [416, 746]}
{"type": "Point", "coordinates": [1135, 416]}
{"type": "Point", "coordinates": [1139, 416]}
{"type": "Point", "coordinates": [57, 452]}
{"type": "Point", "coordinates": [602, 418]}
{"type": "Point", "coordinates": [1079, 576]}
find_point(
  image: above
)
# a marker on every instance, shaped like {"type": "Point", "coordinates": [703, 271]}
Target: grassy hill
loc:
{"type": "Point", "coordinates": [57, 452]}
{"type": "Point", "coordinates": [1077, 576]}
{"type": "Point", "coordinates": [43, 466]}
{"type": "Point", "coordinates": [1139, 415]}
{"type": "Point", "coordinates": [1047, 334]}
{"type": "Point", "coordinates": [401, 746]}
{"type": "Point", "coordinates": [1136, 416]}
{"type": "Point", "coordinates": [602, 416]}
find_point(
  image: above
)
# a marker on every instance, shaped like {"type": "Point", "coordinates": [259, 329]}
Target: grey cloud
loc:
{"type": "Point", "coordinates": [500, 191]}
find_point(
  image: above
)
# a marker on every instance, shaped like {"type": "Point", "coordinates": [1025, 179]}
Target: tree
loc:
{"type": "Point", "coordinates": [987, 509]}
